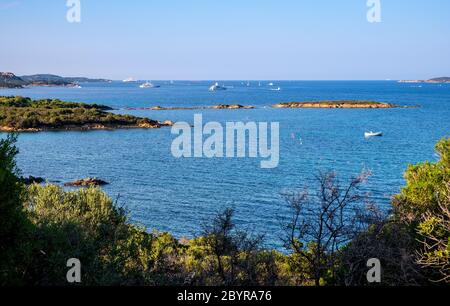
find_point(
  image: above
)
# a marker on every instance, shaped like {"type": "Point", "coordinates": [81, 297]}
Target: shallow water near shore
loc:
{"type": "Point", "coordinates": [177, 195]}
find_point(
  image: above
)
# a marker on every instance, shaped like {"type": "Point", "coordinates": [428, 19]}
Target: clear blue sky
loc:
{"type": "Point", "coordinates": [227, 39]}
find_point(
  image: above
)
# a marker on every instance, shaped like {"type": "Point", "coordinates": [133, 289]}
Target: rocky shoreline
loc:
{"type": "Point", "coordinates": [345, 104]}
{"type": "Point", "coordinates": [87, 127]}
{"type": "Point", "coordinates": [220, 106]}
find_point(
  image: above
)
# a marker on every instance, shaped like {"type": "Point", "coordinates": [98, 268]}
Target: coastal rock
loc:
{"type": "Point", "coordinates": [335, 104]}
{"type": "Point", "coordinates": [160, 108]}
{"type": "Point", "coordinates": [148, 124]}
{"type": "Point", "coordinates": [86, 182]}
{"type": "Point", "coordinates": [220, 106]}
{"type": "Point", "coordinates": [168, 123]}
{"type": "Point", "coordinates": [231, 106]}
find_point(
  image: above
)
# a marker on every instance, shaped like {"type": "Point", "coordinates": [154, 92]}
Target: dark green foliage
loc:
{"type": "Point", "coordinates": [19, 101]}
{"type": "Point", "coordinates": [41, 227]}
{"type": "Point", "coordinates": [13, 220]}
{"type": "Point", "coordinates": [19, 113]}
{"type": "Point", "coordinates": [225, 255]}
{"type": "Point", "coordinates": [393, 245]}
{"type": "Point", "coordinates": [424, 206]}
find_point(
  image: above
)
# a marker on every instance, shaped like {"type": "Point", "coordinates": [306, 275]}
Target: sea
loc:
{"type": "Point", "coordinates": [180, 195]}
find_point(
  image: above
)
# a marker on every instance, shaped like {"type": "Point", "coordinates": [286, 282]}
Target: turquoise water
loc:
{"type": "Point", "coordinates": [177, 195]}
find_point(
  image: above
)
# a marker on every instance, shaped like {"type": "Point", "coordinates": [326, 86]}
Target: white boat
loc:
{"type": "Point", "coordinates": [75, 85]}
{"type": "Point", "coordinates": [128, 80]}
{"type": "Point", "coordinates": [373, 134]}
{"type": "Point", "coordinates": [217, 87]}
{"type": "Point", "coordinates": [148, 85]}
{"type": "Point", "coordinates": [270, 84]}
{"type": "Point", "coordinates": [276, 89]}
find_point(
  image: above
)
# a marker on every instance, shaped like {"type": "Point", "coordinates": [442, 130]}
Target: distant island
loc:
{"type": "Point", "coordinates": [335, 104]}
{"type": "Point", "coordinates": [432, 81]}
{"type": "Point", "coordinates": [20, 114]}
{"type": "Point", "coordinates": [10, 80]}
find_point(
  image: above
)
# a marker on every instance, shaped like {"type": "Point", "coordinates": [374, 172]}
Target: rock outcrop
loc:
{"type": "Point", "coordinates": [86, 182]}
{"type": "Point", "coordinates": [335, 104]}
{"type": "Point", "coordinates": [220, 106]}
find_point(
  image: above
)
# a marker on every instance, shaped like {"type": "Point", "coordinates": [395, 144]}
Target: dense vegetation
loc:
{"type": "Point", "coordinates": [329, 237]}
{"type": "Point", "coordinates": [19, 113]}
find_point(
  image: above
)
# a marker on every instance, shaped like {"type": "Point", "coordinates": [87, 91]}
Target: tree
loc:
{"type": "Point", "coordinates": [14, 225]}
{"type": "Point", "coordinates": [224, 255]}
{"type": "Point", "coordinates": [434, 231]}
{"type": "Point", "coordinates": [321, 225]}
{"type": "Point", "coordinates": [423, 205]}
{"type": "Point", "coordinates": [392, 244]}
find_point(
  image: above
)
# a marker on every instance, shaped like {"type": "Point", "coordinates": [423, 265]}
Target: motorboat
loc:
{"type": "Point", "coordinates": [217, 87]}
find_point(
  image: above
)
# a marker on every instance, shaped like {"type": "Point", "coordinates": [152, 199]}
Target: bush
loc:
{"type": "Point", "coordinates": [424, 205]}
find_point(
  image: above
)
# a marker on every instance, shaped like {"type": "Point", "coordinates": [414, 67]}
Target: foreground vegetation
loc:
{"type": "Point", "coordinates": [329, 236]}
{"type": "Point", "coordinates": [25, 114]}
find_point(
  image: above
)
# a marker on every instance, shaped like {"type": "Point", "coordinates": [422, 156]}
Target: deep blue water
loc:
{"type": "Point", "coordinates": [177, 195]}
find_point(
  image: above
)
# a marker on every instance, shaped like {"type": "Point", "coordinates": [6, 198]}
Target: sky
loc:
{"type": "Point", "coordinates": [227, 39]}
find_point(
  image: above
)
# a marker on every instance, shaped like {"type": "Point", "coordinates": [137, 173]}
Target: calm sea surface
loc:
{"type": "Point", "coordinates": [177, 195]}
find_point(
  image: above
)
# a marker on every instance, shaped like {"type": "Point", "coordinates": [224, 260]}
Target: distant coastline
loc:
{"type": "Point", "coordinates": [440, 80]}
{"type": "Point", "coordinates": [10, 80]}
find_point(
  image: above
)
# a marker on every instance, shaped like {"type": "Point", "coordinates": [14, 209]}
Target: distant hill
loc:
{"type": "Point", "coordinates": [434, 80]}
{"type": "Point", "coordinates": [9, 80]}
{"type": "Point", "coordinates": [86, 80]}
{"type": "Point", "coordinates": [51, 79]}
{"type": "Point", "coordinates": [440, 80]}
{"type": "Point", "coordinates": [45, 79]}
